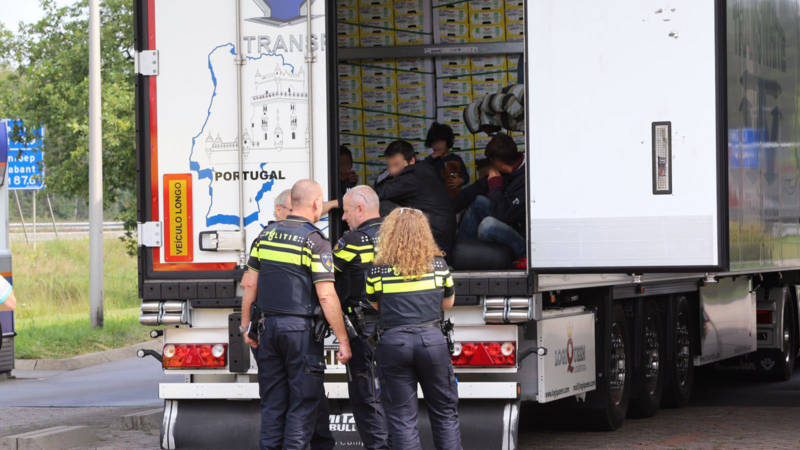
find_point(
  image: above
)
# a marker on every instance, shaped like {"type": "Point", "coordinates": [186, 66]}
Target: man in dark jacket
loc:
{"type": "Point", "coordinates": [496, 204]}
{"type": "Point", "coordinates": [417, 186]}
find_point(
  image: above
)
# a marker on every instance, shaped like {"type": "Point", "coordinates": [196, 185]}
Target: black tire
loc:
{"type": "Point", "coordinates": [650, 375]}
{"type": "Point", "coordinates": [776, 364]}
{"type": "Point", "coordinates": [679, 371]}
{"type": "Point", "coordinates": [617, 383]}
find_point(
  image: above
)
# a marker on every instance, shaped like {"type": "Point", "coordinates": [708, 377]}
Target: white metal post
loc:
{"type": "Point", "coordinates": [52, 216]}
{"type": "Point", "coordinates": [240, 60]}
{"type": "Point", "coordinates": [34, 220]}
{"type": "Point", "coordinates": [95, 171]}
{"type": "Point", "coordinates": [21, 217]}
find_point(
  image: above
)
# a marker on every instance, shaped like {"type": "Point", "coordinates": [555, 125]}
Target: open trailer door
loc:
{"type": "Point", "coordinates": [627, 135]}
{"type": "Point", "coordinates": [231, 112]}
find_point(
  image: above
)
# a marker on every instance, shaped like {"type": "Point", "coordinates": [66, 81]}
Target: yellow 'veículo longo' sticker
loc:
{"type": "Point", "coordinates": [178, 239]}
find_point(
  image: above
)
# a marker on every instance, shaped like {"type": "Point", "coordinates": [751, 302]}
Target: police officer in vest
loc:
{"type": "Point", "coordinates": [295, 278]}
{"type": "Point", "coordinates": [352, 258]}
{"type": "Point", "coordinates": [410, 284]}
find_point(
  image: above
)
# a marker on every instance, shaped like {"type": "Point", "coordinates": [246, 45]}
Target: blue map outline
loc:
{"type": "Point", "coordinates": [194, 166]}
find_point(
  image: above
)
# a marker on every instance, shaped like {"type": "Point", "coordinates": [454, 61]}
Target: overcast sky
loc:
{"type": "Point", "coordinates": [12, 12]}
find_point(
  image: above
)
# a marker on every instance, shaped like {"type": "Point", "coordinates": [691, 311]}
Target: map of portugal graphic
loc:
{"type": "Point", "coordinates": [214, 156]}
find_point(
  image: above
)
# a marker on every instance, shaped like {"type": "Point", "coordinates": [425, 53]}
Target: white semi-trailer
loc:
{"type": "Point", "coordinates": [661, 141]}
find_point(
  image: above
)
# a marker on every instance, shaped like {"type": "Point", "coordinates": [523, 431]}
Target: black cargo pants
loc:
{"type": "Point", "coordinates": [290, 380]}
{"type": "Point", "coordinates": [364, 395]}
{"type": "Point", "coordinates": [407, 356]}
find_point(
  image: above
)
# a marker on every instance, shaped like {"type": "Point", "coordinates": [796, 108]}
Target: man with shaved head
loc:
{"type": "Point", "coordinates": [352, 258]}
{"type": "Point", "coordinates": [295, 278]}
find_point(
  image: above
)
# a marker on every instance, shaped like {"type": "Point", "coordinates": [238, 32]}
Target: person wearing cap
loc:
{"type": "Point", "coordinates": [7, 300]}
{"type": "Point", "coordinates": [416, 185]}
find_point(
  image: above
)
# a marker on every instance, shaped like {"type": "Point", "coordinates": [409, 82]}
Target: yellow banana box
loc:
{"type": "Point", "coordinates": [485, 5]}
{"type": "Point", "coordinates": [487, 33]}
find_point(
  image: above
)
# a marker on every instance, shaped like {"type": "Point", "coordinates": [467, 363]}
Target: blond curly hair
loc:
{"type": "Point", "coordinates": [406, 243]}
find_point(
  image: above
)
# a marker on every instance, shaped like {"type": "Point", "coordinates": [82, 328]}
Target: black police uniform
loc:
{"type": "Point", "coordinates": [290, 256]}
{"type": "Point", "coordinates": [411, 350]}
{"type": "Point", "coordinates": [352, 258]}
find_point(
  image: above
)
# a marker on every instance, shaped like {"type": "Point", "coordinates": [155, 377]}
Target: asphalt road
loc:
{"type": "Point", "coordinates": [727, 411]}
{"type": "Point", "coordinates": [129, 382]}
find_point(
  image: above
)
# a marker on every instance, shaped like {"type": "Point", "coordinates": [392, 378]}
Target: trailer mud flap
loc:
{"type": "Point", "coordinates": [235, 424]}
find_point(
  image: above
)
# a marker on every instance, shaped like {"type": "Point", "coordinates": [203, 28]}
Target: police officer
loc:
{"type": "Point", "coordinates": [295, 278]}
{"type": "Point", "coordinates": [322, 438]}
{"type": "Point", "coordinates": [352, 258]}
{"type": "Point", "coordinates": [410, 285]}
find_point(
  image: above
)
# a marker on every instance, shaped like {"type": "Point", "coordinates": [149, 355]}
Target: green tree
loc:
{"type": "Point", "coordinates": [44, 81]}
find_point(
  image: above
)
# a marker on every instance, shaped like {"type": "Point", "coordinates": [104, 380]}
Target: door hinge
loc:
{"type": "Point", "coordinates": [149, 234]}
{"type": "Point", "coordinates": [221, 241]}
{"type": "Point", "coordinates": [146, 63]}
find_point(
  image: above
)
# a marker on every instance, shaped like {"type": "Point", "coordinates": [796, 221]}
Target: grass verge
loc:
{"type": "Point", "coordinates": [52, 288]}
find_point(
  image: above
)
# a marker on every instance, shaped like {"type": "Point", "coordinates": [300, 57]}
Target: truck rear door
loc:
{"type": "Point", "coordinates": [627, 135]}
{"type": "Point", "coordinates": [206, 89]}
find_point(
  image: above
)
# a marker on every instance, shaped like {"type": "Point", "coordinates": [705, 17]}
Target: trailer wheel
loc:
{"type": "Point", "coordinates": [779, 364]}
{"type": "Point", "coordinates": [680, 373]}
{"type": "Point", "coordinates": [615, 394]}
{"type": "Point", "coordinates": [650, 375]}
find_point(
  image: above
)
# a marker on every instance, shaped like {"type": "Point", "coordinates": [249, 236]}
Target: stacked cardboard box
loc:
{"type": "Point", "coordinates": [347, 20]}
{"type": "Point", "coordinates": [454, 91]}
{"type": "Point", "coordinates": [489, 75]}
{"type": "Point", "coordinates": [410, 22]}
{"type": "Point", "coordinates": [515, 20]}
{"type": "Point", "coordinates": [376, 23]}
{"type": "Point", "coordinates": [486, 21]}
{"type": "Point", "coordinates": [379, 84]}
{"type": "Point", "coordinates": [414, 106]}
{"type": "Point", "coordinates": [351, 118]}
{"type": "Point", "coordinates": [451, 22]}
{"type": "Point", "coordinates": [383, 100]}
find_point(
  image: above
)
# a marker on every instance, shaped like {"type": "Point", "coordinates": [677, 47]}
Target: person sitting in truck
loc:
{"type": "Point", "coordinates": [417, 186]}
{"type": "Point", "coordinates": [496, 205]}
{"type": "Point", "coordinates": [449, 167]}
{"type": "Point", "coordinates": [7, 300]}
{"type": "Point", "coordinates": [482, 167]}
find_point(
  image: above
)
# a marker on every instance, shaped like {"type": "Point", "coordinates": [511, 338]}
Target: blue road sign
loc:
{"type": "Point", "coordinates": [3, 152]}
{"type": "Point", "coordinates": [25, 160]}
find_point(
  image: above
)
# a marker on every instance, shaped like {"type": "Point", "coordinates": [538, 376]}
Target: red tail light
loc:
{"type": "Point", "coordinates": [190, 356]}
{"type": "Point", "coordinates": [484, 354]}
{"type": "Point", "coordinates": [763, 317]}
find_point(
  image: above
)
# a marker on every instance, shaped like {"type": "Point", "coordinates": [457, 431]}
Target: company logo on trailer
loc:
{"type": "Point", "coordinates": [570, 354]}
{"type": "Point", "coordinates": [342, 423]}
{"type": "Point", "coordinates": [570, 349]}
{"type": "Point", "coordinates": [281, 11]}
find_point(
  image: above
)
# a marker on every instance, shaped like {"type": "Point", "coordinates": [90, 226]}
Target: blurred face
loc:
{"type": "Point", "coordinates": [396, 164]}
{"type": "Point", "coordinates": [345, 165]}
{"type": "Point", "coordinates": [353, 214]}
{"type": "Point", "coordinates": [439, 147]}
